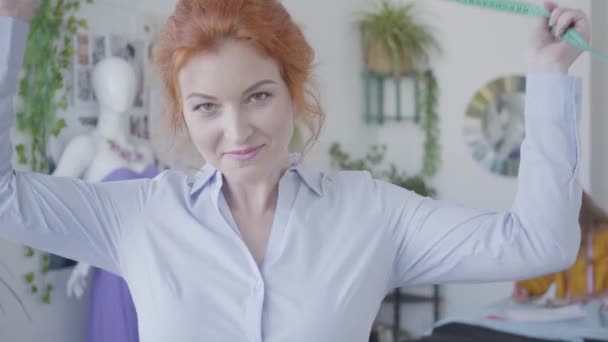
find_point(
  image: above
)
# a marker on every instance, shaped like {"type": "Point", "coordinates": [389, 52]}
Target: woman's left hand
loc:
{"type": "Point", "coordinates": [549, 52]}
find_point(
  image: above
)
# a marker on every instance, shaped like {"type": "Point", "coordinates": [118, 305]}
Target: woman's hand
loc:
{"type": "Point", "coordinates": [21, 9]}
{"type": "Point", "coordinates": [549, 52]}
{"type": "Point", "coordinates": [78, 280]}
{"type": "Point", "coordinates": [521, 294]}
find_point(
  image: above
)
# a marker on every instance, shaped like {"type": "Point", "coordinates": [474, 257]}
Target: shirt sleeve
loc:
{"type": "Point", "coordinates": [65, 216]}
{"type": "Point", "coordinates": [440, 242]}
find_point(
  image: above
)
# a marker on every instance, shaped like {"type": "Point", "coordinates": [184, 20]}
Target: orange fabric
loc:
{"type": "Point", "coordinates": [575, 277]}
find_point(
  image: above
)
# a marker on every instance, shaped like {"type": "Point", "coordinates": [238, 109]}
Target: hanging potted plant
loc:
{"type": "Point", "coordinates": [394, 40]}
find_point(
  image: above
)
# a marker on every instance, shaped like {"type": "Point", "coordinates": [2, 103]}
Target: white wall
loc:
{"type": "Point", "coordinates": [479, 46]}
{"type": "Point", "coordinates": [599, 100]}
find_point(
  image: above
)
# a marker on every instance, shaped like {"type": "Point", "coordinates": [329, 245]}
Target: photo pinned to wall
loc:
{"type": "Point", "coordinates": [140, 126]}
{"type": "Point", "coordinates": [151, 25]}
{"type": "Point", "coordinates": [82, 71]}
{"type": "Point", "coordinates": [99, 49]}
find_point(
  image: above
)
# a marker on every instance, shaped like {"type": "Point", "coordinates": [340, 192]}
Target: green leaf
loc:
{"type": "Point", "coordinates": [20, 149]}
{"type": "Point", "coordinates": [44, 166]}
{"type": "Point", "coordinates": [21, 120]}
{"type": "Point", "coordinates": [59, 126]}
{"type": "Point", "coordinates": [29, 252]}
{"type": "Point", "coordinates": [29, 277]}
{"type": "Point", "coordinates": [34, 289]}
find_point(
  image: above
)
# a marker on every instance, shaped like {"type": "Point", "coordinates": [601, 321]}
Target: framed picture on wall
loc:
{"type": "Point", "coordinates": [494, 124]}
{"type": "Point", "coordinates": [140, 126]}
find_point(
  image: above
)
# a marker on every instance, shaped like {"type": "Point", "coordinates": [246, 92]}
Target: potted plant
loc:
{"type": "Point", "coordinates": [394, 40]}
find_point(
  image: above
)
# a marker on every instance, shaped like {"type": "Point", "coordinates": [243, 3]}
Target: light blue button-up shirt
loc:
{"type": "Point", "coordinates": [339, 241]}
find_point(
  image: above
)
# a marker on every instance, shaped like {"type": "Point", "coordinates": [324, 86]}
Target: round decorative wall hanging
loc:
{"type": "Point", "coordinates": [494, 124]}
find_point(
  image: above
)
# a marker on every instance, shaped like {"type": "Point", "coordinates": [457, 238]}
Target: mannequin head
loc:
{"type": "Point", "coordinates": [115, 84]}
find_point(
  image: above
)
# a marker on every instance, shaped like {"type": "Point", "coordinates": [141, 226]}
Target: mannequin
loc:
{"type": "Point", "coordinates": [108, 152]}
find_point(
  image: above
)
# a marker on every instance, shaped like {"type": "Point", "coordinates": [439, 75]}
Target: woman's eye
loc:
{"type": "Point", "coordinates": [207, 107]}
{"type": "Point", "coordinates": [261, 96]}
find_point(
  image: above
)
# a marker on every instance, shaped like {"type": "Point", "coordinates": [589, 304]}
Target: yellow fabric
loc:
{"type": "Point", "coordinates": [576, 275]}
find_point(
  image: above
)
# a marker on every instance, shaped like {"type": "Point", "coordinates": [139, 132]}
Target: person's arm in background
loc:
{"type": "Point", "coordinates": [61, 215]}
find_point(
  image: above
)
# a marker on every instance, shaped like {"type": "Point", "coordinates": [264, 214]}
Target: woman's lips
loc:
{"type": "Point", "coordinates": [245, 154]}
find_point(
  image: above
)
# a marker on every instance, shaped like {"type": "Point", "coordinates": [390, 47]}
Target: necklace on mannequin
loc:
{"type": "Point", "coordinates": [124, 153]}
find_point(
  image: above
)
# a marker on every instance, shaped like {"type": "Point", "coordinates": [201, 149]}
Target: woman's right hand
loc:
{"type": "Point", "coordinates": [21, 9]}
{"type": "Point", "coordinates": [549, 51]}
{"type": "Point", "coordinates": [78, 280]}
{"type": "Point", "coordinates": [521, 294]}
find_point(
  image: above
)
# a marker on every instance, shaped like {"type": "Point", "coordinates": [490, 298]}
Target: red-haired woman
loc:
{"type": "Point", "coordinates": [260, 245]}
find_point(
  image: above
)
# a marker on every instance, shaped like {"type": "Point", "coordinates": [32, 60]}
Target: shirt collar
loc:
{"type": "Point", "coordinates": [311, 177]}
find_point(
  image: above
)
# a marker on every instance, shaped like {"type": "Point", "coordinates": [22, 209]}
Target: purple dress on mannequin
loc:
{"type": "Point", "coordinates": [112, 316]}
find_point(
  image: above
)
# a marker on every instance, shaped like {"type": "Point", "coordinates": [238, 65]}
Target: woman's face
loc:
{"type": "Point", "coordinates": [238, 110]}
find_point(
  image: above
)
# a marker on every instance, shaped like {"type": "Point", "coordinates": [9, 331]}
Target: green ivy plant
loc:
{"type": "Point", "coordinates": [43, 92]}
{"type": "Point", "coordinates": [373, 163]}
{"type": "Point", "coordinates": [427, 100]}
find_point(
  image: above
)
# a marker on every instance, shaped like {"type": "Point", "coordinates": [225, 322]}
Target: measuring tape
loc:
{"type": "Point", "coordinates": [521, 8]}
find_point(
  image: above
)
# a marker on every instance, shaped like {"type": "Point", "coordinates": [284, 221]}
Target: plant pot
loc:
{"type": "Point", "coordinates": [378, 61]}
